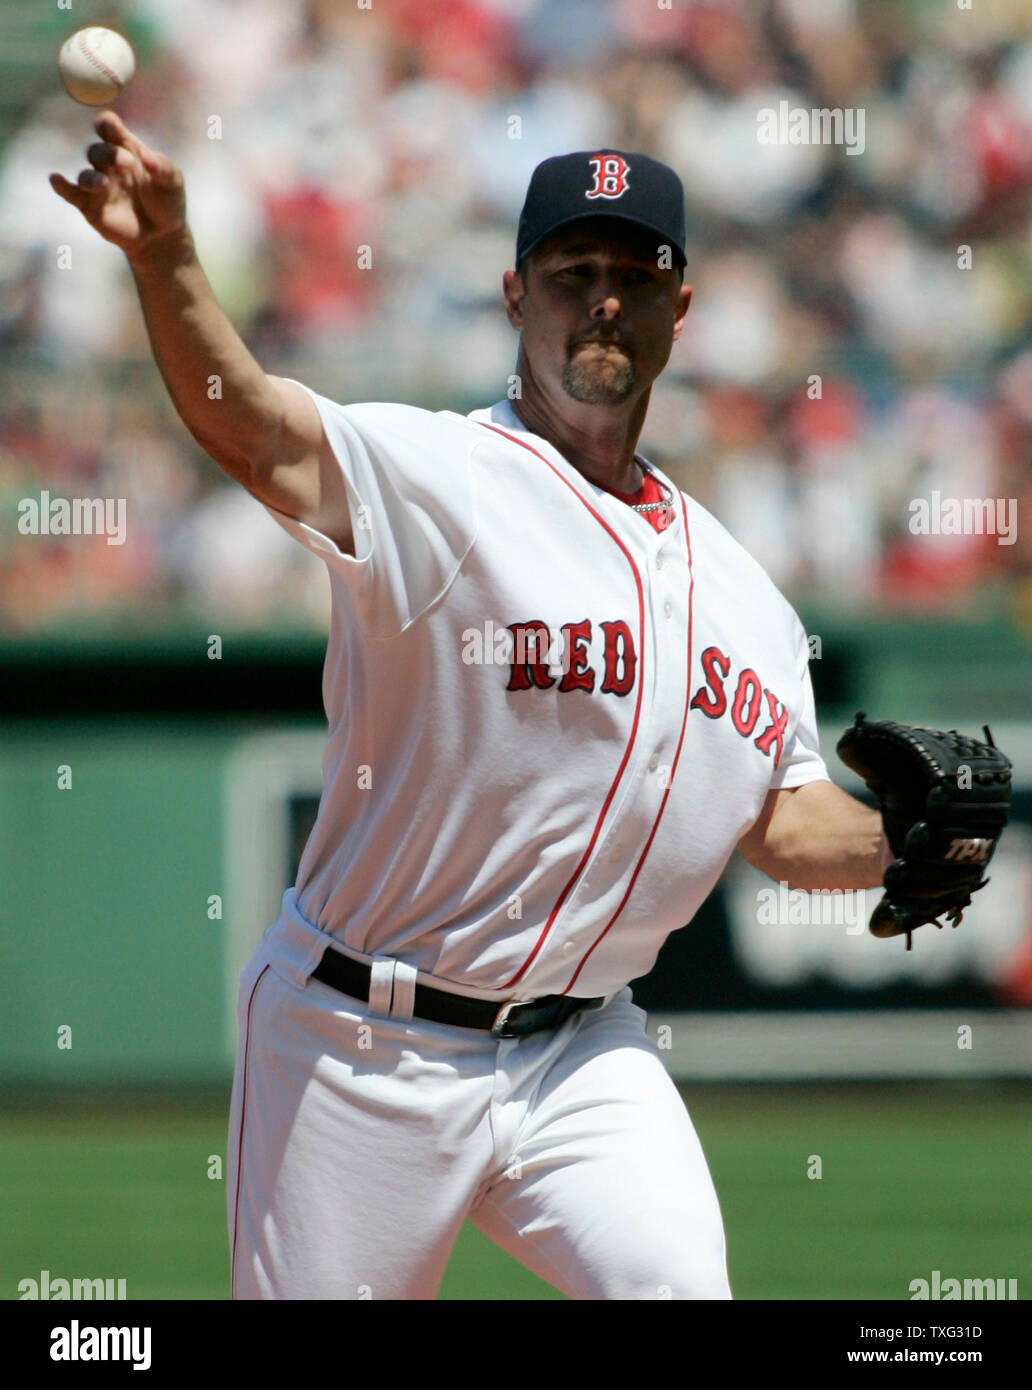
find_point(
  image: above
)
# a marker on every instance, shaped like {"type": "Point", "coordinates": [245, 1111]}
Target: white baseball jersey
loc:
{"type": "Point", "coordinates": [549, 724]}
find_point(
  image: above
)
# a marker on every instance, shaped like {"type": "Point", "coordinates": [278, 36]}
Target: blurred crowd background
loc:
{"type": "Point", "coordinates": [307, 129]}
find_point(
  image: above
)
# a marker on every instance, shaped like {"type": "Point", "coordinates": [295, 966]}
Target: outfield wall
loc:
{"type": "Point", "coordinates": [143, 855]}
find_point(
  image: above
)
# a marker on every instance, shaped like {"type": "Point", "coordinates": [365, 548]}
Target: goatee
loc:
{"type": "Point", "coordinates": [595, 383]}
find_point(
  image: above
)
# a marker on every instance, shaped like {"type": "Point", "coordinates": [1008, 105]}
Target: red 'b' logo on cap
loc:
{"type": "Point", "coordinates": [610, 176]}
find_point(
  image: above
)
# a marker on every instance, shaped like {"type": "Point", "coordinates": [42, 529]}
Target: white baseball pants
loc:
{"type": "Point", "coordinates": [360, 1140]}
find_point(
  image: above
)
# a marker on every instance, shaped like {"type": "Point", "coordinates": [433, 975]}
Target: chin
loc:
{"type": "Point", "coordinates": [592, 386]}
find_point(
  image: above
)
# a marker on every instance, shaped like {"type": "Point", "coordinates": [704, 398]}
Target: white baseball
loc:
{"type": "Point", "coordinates": [96, 65]}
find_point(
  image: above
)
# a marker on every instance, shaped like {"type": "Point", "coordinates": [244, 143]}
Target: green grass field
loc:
{"type": "Point", "coordinates": [914, 1178]}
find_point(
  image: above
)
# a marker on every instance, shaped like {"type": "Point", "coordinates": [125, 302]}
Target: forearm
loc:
{"type": "Point", "coordinates": [221, 393]}
{"type": "Point", "coordinates": [844, 850]}
{"type": "Point", "coordinates": [818, 836]}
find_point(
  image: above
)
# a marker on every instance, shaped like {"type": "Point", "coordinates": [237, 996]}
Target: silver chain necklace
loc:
{"type": "Point", "coordinates": [668, 500]}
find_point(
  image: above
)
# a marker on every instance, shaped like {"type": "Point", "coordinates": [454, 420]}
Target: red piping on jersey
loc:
{"type": "Point", "coordinates": [240, 1139]}
{"type": "Point", "coordinates": [666, 792]}
{"type": "Point", "coordinates": [637, 708]}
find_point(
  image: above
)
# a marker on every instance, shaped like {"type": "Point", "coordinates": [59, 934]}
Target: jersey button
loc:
{"type": "Point", "coordinates": [654, 762]}
{"type": "Point", "coordinates": [569, 947]}
{"type": "Point", "coordinates": [659, 561]}
{"type": "Point", "coordinates": [617, 852]}
{"type": "Point", "coordinates": [668, 608]}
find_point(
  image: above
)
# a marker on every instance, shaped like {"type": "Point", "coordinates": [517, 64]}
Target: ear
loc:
{"type": "Point", "coordinates": [514, 291]}
{"type": "Point", "coordinates": [684, 298]}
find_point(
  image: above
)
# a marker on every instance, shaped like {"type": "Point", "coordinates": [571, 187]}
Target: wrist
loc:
{"type": "Point", "coordinates": [163, 253]}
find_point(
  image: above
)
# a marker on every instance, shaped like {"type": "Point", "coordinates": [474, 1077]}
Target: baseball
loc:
{"type": "Point", "coordinates": [96, 65]}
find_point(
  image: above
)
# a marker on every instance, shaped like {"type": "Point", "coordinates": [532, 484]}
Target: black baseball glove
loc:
{"type": "Point", "coordinates": [944, 799]}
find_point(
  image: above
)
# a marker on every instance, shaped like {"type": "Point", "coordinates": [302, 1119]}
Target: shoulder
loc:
{"type": "Point", "coordinates": [391, 425]}
{"type": "Point", "coordinates": [421, 416]}
{"type": "Point", "coordinates": [713, 546]}
{"type": "Point", "coordinates": [392, 415]}
{"type": "Point", "coordinates": [501, 414]}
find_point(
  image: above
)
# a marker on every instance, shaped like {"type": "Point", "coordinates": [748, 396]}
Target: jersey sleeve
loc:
{"type": "Point", "coordinates": [409, 489]}
{"type": "Point", "coordinates": [801, 761]}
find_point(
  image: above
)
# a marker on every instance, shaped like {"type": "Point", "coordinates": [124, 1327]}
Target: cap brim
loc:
{"type": "Point", "coordinates": [592, 215]}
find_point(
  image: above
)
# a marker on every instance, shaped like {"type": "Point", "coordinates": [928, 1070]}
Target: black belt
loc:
{"type": "Point", "coordinates": [510, 1020]}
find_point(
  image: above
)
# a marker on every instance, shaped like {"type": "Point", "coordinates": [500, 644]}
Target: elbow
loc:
{"type": "Point", "coordinates": [233, 463]}
{"type": "Point", "coordinates": [249, 449]}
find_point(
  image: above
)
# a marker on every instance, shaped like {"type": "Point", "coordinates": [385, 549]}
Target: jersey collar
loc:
{"type": "Point", "coordinates": [503, 415]}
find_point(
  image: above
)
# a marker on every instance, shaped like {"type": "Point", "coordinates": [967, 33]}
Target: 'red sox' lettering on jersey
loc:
{"type": "Point", "coordinates": [532, 642]}
{"type": "Point", "coordinates": [747, 703]}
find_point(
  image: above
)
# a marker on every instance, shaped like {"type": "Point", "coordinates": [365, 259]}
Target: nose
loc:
{"type": "Point", "coordinates": [608, 308]}
{"type": "Point", "coordinates": [608, 305]}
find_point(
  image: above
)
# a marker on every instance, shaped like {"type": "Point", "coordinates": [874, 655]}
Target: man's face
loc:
{"type": "Point", "coordinates": [598, 316]}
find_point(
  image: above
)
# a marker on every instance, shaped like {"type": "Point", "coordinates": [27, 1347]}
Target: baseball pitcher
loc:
{"type": "Point", "coordinates": [559, 696]}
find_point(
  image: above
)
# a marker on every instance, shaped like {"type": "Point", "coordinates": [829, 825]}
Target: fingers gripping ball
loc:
{"type": "Point", "coordinates": [944, 801]}
{"type": "Point", "coordinates": [96, 65]}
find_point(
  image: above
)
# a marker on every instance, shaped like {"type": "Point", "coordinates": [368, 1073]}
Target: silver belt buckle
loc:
{"type": "Point", "coordinates": [502, 1018]}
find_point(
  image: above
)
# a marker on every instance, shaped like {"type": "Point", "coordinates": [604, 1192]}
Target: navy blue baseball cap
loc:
{"type": "Point", "coordinates": [603, 183]}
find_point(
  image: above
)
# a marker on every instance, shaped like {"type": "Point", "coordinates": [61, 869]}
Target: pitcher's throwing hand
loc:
{"type": "Point", "coordinates": [133, 196]}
